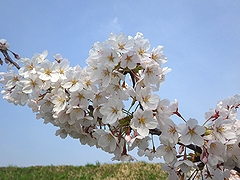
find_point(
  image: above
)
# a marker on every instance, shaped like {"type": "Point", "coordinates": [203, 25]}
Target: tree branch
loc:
{"type": "Point", "coordinates": [8, 59]}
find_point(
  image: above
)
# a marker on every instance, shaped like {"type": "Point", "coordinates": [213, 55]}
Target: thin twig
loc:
{"type": "Point", "coordinates": [8, 59]}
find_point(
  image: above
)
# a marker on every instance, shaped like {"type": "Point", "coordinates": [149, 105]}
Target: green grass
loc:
{"type": "Point", "coordinates": [124, 171]}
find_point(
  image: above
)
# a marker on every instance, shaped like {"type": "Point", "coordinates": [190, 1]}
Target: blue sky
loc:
{"type": "Point", "coordinates": [201, 40]}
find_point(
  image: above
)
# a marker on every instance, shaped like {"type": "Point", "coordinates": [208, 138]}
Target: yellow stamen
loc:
{"type": "Point", "coordinates": [110, 58]}
{"type": "Point", "coordinates": [191, 131]}
{"type": "Point", "coordinates": [33, 83]}
{"type": "Point", "coordinates": [128, 58]}
{"type": "Point", "coordinates": [142, 120]}
{"type": "Point", "coordinates": [172, 130]}
{"type": "Point", "coordinates": [220, 129]}
{"type": "Point", "coordinates": [167, 148]}
{"type": "Point", "coordinates": [98, 96]}
{"type": "Point", "coordinates": [30, 67]}
{"type": "Point", "coordinates": [213, 146]}
{"type": "Point", "coordinates": [106, 72]}
{"type": "Point", "coordinates": [155, 57]}
{"type": "Point", "coordinates": [80, 96]}
{"type": "Point", "coordinates": [47, 71]}
{"type": "Point", "coordinates": [149, 71]}
{"type": "Point", "coordinates": [114, 110]}
{"type": "Point", "coordinates": [141, 51]}
{"type": "Point", "coordinates": [74, 81]}
{"type": "Point", "coordinates": [61, 71]}
{"type": "Point", "coordinates": [121, 46]}
{"type": "Point", "coordinates": [145, 99]}
{"type": "Point", "coordinates": [88, 82]}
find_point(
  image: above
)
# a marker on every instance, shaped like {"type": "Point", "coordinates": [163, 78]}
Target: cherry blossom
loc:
{"type": "Point", "coordinates": [158, 56]}
{"type": "Point", "coordinates": [112, 111]}
{"type": "Point", "coordinates": [106, 140]}
{"type": "Point", "coordinates": [129, 60]}
{"type": "Point", "coordinates": [215, 152]}
{"type": "Point", "coordinates": [63, 66]}
{"type": "Point", "coordinates": [48, 71]}
{"type": "Point", "coordinates": [191, 132]}
{"type": "Point", "coordinates": [184, 165]}
{"type": "Point", "coordinates": [109, 58]}
{"type": "Point", "coordinates": [121, 42]}
{"type": "Point", "coordinates": [59, 100]}
{"type": "Point", "coordinates": [223, 130]}
{"type": "Point", "coordinates": [167, 150]}
{"type": "Point", "coordinates": [102, 75]}
{"type": "Point", "coordinates": [148, 100]}
{"type": "Point", "coordinates": [31, 83]}
{"type": "Point", "coordinates": [41, 56]}
{"type": "Point", "coordinates": [80, 98]}
{"type": "Point", "coordinates": [142, 121]}
{"type": "Point", "coordinates": [29, 67]}
{"type": "Point", "coordinates": [170, 130]}
{"type": "Point", "coordinates": [72, 80]}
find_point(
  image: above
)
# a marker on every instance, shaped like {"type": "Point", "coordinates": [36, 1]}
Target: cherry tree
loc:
{"type": "Point", "coordinates": [112, 104]}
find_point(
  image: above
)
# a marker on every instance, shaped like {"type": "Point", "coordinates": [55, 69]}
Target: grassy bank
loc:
{"type": "Point", "coordinates": [118, 171]}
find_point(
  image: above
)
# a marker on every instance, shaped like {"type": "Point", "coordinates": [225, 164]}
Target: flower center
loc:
{"type": "Point", "coordinates": [48, 71]}
{"type": "Point", "coordinates": [172, 130]}
{"type": "Point", "coordinates": [33, 83]}
{"type": "Point", "coordinates": [142, 120]}
{"type": "Point", "coordinates": [88, 82]}
{"type": "Point", "coordinates": [110, 58]}
{"type": "Point", "coordinates": [98, 96]}
{"type": "Point", "coordinates": [213, 146]}
{"type": "Point", "coordinates": [220, 129]}
{"type": "Point", "coordinates": [30, 67]}
{"type": "Point", "coordinates": [106, 72]}
{"type": "Point", "coordinates": [61, 71]}
{"type": "Point", "coordinates": [114, 110]}
{"type": "Point", "coordinates": [145, 99]}
{"type": "Point", "coordinates": [141, 51]}
{"type": "Point", "coordinates": [128, 58]}
{"type": "Point", "coordinates": [61, 99]}
{"type": "Point", "coordinates": [229, 147]}
{"type": "Point", "coordinates": [121, 46]}
{"type": "Point", "coordinates": [155, 57]}
{"type": "Point", "coordinates": [74, 81]}
{"type": "Point", "coordinates": [191, 131]}
{"type": "Point", "coordinates": [80, 96]}
{"type": "Point", "coordinates": [149, 71]}
{"type": "Point", "coordinates": [167, 148]}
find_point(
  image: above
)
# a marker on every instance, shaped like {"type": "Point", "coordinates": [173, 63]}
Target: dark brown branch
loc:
{"type": "Point", "coordinates": [155, 131]}
{"type": "Point", "coordinates": [8, 59]}
{"type": "Point", "coordinates": [237, 169]}
{"type": "Point", "coordinates": [192, 147]}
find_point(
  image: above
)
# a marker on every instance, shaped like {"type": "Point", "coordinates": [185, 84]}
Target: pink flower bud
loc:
{"type": "Point", "coordinates": [181, 149]}
{"type": "Point", "coordinates": [204, 156]}
{"type": "Point", "coordinates": [128, 138]}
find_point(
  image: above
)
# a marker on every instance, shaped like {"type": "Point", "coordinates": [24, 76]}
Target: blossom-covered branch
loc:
{"type": "Point", "coordinates": [112, 104]}
{"type": "Point", "coordinates": [4, 50]}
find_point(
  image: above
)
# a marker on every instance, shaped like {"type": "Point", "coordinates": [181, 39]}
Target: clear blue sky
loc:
{"type": "Point", "coordinates": [201, 40]}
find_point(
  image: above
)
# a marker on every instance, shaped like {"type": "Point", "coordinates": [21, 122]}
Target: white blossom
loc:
{"type": "Point", "coordinates": [112, 111]}
{"type": "Point", "coordinates": [148, 100]}
{"type": "Point", "coordinates": [59, 101]}
{"type": "Point", "coordinates": [121, 42]}
{"type": "Point", "coordinates": [191, 132]}
{"type": "Point", "coordinates": [48, 71]}
{"type": "Point", "coordinates": [142, 121]}
{"type": "Point", "coordinates": [223, 130]}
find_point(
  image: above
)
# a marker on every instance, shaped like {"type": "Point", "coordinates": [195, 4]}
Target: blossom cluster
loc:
{"type": "Point", "coordinates": [112, 104]}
